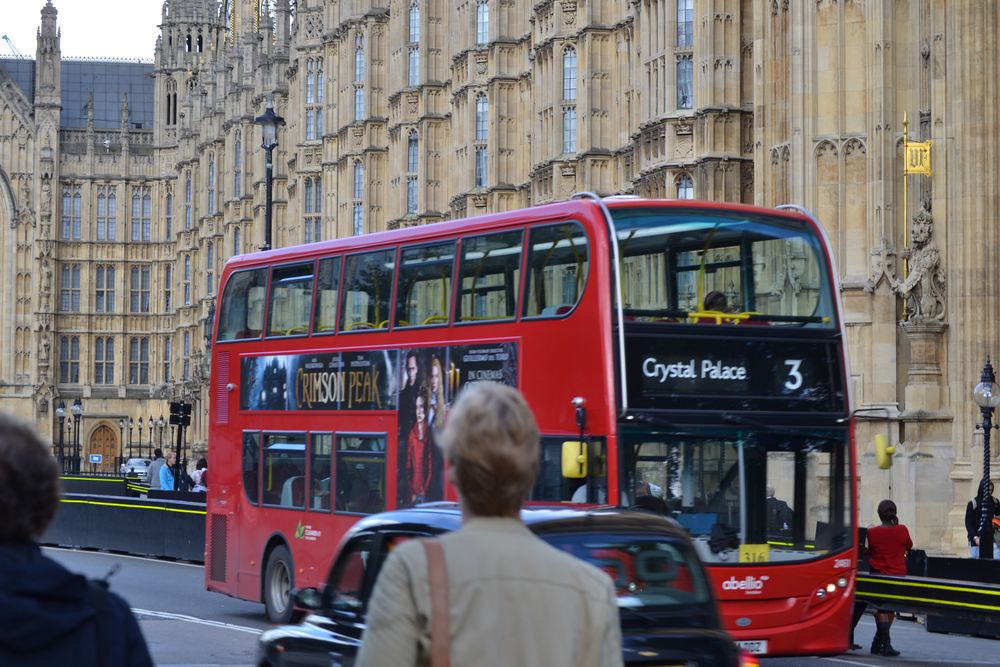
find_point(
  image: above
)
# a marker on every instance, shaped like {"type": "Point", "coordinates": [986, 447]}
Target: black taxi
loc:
{"type": "Point", "coordinates": [668, 614]}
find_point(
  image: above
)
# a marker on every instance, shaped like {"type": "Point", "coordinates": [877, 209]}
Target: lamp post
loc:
{"type": "Point", "coordinates": [269, 122]}
{"type": "Point", "coordinates": [150, 425]}
{"type": "Point", "coordinates": [77, 410]}
{"type": "Point", "coordinates": [131, 425]}
{"type": "Point", "coordinates": [987, 398]}
{"type": "Point", "coordinates": [61, 414]}
{"type": "Point", "coordinates": [140, 437]}
{"type": "Point", "coordinates": [160, 424]}
{"type": "Point", "coordinates": [121, 443]}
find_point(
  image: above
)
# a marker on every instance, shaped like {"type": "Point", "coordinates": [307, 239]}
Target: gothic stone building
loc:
{"type": "Point", "coordinates": [125, 186]}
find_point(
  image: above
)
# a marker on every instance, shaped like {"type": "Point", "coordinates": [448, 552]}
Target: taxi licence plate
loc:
{"type": "Point", "coordinates": [755, 646]}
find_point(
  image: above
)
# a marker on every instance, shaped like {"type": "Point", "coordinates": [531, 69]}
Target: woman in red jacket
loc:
{"type": "Point", "coordinates": [887, 547]}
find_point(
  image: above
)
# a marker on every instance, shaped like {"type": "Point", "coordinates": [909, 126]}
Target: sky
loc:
{"type": "Point", "coordinates": [119, 29]}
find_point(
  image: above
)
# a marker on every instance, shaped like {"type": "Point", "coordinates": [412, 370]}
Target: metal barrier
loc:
{"type": "Point", "coordinates": [956, 594]}
{"type": "Point", "coordinates": [164, 524]}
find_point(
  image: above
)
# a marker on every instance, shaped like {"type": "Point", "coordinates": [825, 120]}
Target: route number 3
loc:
{"type": "Point", "coordinates": [794, 380]}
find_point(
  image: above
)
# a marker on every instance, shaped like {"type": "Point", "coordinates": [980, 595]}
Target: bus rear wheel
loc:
{"type": "Point", "coordinates": [278, 583]}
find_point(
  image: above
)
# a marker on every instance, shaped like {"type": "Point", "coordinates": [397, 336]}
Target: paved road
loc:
{"type": "Point", "coordinates": [918, 648]}
{"type": "Point", "coordinates": [186, 625]}
{"type": "Point", "coordinates": [183, 623]}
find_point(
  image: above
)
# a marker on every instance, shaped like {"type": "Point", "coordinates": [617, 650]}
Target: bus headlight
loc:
{"type": "Point", "coordinates": [842, 582]}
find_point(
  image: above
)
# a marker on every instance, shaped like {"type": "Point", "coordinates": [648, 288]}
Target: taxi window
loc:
{"type": "Point", "coordinates": [347, 590]}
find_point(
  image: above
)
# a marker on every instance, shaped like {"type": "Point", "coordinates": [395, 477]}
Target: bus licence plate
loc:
{"type": "Point", "coordinates": [755, 646]}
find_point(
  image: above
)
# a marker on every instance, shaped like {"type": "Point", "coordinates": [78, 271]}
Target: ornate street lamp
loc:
{"type": "Point", "coordinates": [121, 443]}
{"type": "Point", "coordinates": [61, 414]}
{"type": "Point", "coordinates": [140, 437]}
{"type": "Point", "coordinates": [269, 122]}
{"type": "Point", "coordinates": [987, 398]}
{"type": "Point", "coordinates": [160, 424]}
{"type": "Point", "coordinates": [151, 425]}
{"type": "Point", "coordinates": [131, 425]}
{"type": "Point", "coordinates": [77, 410]}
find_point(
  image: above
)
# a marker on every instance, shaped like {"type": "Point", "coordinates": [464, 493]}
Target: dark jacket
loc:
{"type": "Point", "coordinates": [48, 616]}
{"type": "Point", "coordinates": [972, 516]}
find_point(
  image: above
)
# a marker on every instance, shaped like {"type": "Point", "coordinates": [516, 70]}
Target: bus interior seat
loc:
{"type": "Point", "coordinates": [698, 523]}
{"type": "Point", "coordinates": [293, 491]}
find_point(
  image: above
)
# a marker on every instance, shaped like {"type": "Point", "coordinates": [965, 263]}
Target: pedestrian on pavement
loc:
{"type": "Point", "coordinates": [153, 475]}
{"type": "Point", "coordinates": [972, 522]}
{"type": "Point", "coordinates": [887, 547]}
{"type": "Point", "coordinates": [501, 596]}
{"type": "Point", "coordinates": [49, 615]}
{"type": "Point", "coordinates": [167, 473]}
{"type": "Point", "coordinates": [199, 477]}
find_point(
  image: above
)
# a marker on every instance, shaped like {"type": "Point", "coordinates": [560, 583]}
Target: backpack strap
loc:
{"type": "Point", "coordinates": [97, 598]}
{"type": "Point", "coordinates": [437, 576]}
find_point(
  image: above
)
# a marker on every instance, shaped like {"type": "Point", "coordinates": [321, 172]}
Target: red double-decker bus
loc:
{"type": "Point", "coordinates": [680, 356]}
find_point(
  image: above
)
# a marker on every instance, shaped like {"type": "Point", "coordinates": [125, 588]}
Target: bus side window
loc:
{"type": "Point", "coordinates": [423, 294]}
{"type": "Point", "coordinates": [557, 269]}
{"type": "Point", "coordinates": [367, 289]}
{"type": "Point", "coordinates": [320, 470]}
{"type": "Point", "coordinates": [328, 288]}
{"type": "Point", "coordinates": [242, 306]}
{"type": "Point", "coordinates": [491, 269]}
{"type": "Point", "coordinates": [291, 300]}
{"type": "Point", "coordinates": [360, 476]}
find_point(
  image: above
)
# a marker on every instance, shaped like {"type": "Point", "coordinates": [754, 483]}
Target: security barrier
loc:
{"type": "Point", "coordinates": [166, 525]}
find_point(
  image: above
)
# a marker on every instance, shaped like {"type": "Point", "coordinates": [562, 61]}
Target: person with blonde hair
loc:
{"type": "Point", "coordinates": [511, 598]}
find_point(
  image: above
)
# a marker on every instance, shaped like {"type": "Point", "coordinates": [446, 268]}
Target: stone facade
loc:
{"type": "Point", "coordinates": [403, 112]}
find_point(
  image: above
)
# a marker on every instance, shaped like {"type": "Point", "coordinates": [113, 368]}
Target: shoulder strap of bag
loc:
{"type": "Point", "coordinates": [437, 576]}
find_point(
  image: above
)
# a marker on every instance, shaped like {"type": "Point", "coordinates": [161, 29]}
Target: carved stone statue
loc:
{"type": "Point", "coordinates": [924, 286]}
{"type": "Point", "coordinates": [46, 287]}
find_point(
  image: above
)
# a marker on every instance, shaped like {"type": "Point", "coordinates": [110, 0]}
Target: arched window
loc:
{"type": "Point", "coordinates": [413, 53]}
{"type": "Point", "coordinates": [412, 164]}
{"type": "Point", "coordinates": [685, 187]}
{"type": "Point", "coordinates": [482, 134]}
{"type": "Point", "coordinates": [359, 77]}
{"type": "Point", "coordinates": [238, 165]}
{"type": "Point", "coordinates": [482, 22]}
{"type": "Point", "coordinates": [414, 32]}
{"type": "Point", "coordinates": [685, 83]}
{"type": "Point", "coordinates": [685, 24]}
{"type": "Point", "coordinates": [210, 185]}
{"type": "Point", "coordinates": [569, 75]}
{"type": "Point", "coordinates": [168, 217]}
{"type": "Point", "coordinates": [210, 267]}
{"type": "Point", "coordinates": [188, 193]}
{"type": "Point", "coordinates": [359, 192]}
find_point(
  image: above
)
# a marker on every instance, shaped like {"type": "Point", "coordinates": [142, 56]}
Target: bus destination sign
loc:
{"type": "Point", "coordinates": [733, 374]}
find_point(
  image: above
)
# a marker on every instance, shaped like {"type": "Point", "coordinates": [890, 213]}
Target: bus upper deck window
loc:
{"type": "Point", "coordinates": [327, 291]}
{"type": "Point", "coordinates": [291, 300]}
{"type": "Point", "coordinates": [557, 269]}
{"type": "Point", "coordinates": [367, 289]}
{"type": "Point", "coordinates": [423, 293]}
{"type": "Point", "coordinates": [491, 269]}
{"type": "Point", "coordinates": [242, 310]}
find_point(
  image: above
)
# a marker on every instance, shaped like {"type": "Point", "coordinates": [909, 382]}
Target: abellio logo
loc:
{"type": "Point", "coordinates": [749, 584]}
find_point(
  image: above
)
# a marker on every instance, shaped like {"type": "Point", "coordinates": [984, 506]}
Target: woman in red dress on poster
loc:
{"type": "Point", "coordinates": [418, 454]}
{"type": "Point", "coordinates": [887, 547]}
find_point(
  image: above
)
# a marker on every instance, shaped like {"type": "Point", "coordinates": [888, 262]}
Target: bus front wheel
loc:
{"type": "Point", "coordinates": [278, 583]}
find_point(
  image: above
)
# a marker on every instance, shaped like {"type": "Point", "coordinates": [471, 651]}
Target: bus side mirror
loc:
{"type": "Point", "coordinates": [883, 452]}
{"type": "Point", "coordinates": [574, 459]}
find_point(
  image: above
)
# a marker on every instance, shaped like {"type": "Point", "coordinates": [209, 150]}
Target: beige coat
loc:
{"type": "Point", "coordinates": [515, 600]}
